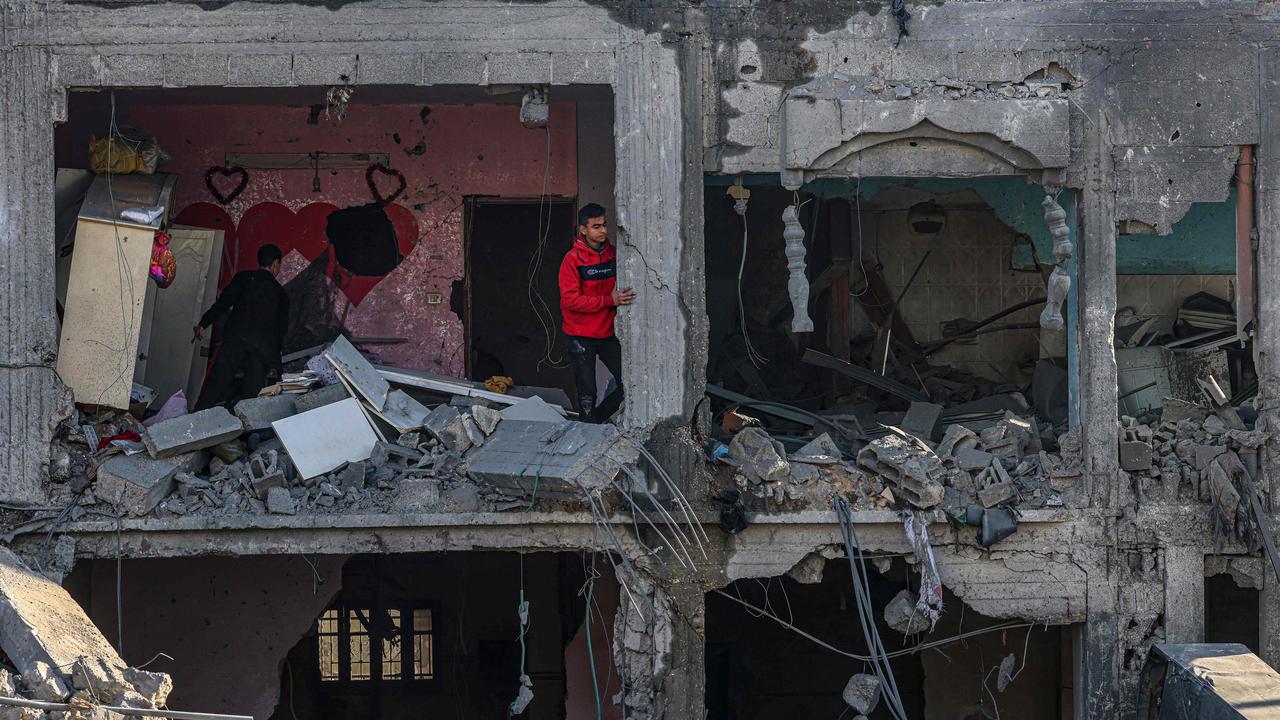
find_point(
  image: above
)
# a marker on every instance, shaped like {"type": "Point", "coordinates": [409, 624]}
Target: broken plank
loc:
{"type": "Point", "coordinates": [437, 383]}
{"type": "Point", "coordinates": [813, 357]}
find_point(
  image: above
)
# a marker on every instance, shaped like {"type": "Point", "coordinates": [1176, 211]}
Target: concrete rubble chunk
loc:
{"type": "Point", "coordinates": [972, 459]}
{"type": "Point", "coordinates": [98, 677]}
{"type": "Point", "coordinates": [42, 682]}
{"type": "Point", "coordinates": [955, 439]}
{"type": "Point", "coordinates": [486, 418]}
{"type": "Point", "coordinates": [862, 693]}
{"type": "Point", "coordinates": [560, 460]}
{"type": "Point", "coordinates": [922, 419]}
{"type": "Point", "coordinates": [40, 623]}
{"type": "Point", "coordinates": [194, 431]}
{"type": "Point", "coordinates": [916, 472]}
{"type": "Point", "coordinates": [351, 475]}
{"type": "Point", "coordinates": [901, 614]}
{"type": "Point", "coordinates": [320, 397]}
{"type": "Point", "coordinates": [445, 423]}
{"type": "Point", "coordinates": [418, 495]}
{"type": "Point", "coordinates": [1135, 455]}
{"type": "Point", "coordinates": [135, 484]}
{"type": "Point", "coordinates": [258, 413]}
{"type": "Point", "coordinates": [280, 502]}
{"type": "Point", "coordinates": [474, 435]}
{"type": "Point", "coordinates": [390, 454]}
{"type": "Point", "coordinates": [997, 493]}
{"type": "Point", "coordinates": [758, 456]}
{"type": "Point", "coordinates": [821, 450]}
{"type": "Point", "coordinates": [1205, 454]}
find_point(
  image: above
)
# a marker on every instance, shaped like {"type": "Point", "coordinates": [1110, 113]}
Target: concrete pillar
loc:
{"type": "Point", "coordinates": [34, 400]}
{"type": "Point", "coordinates": [1097, 276]}
{"type": "Point", "coordinates": [1099, 665]}
{"type": "Point", "coordinates": [1267, 204]}
{"type": "Point", "coordinates": [659, 232]}
{"type": "Point", "coordinates": [1183, 594]}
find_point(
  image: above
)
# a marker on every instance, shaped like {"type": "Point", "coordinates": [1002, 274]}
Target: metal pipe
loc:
{"type": "Point", "coordinates": [139, 712]}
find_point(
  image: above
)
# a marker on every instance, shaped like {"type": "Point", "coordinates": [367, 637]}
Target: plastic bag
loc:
{"type": "Point", "coordinates": [164, 266]}
{"type": "Point", "coordinates": [128, 150]}
{"type": "Point", "coordinates": [174, 407]}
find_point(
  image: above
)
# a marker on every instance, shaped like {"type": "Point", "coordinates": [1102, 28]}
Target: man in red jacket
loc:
{"type": "Point", "coordinates": [589, 301]}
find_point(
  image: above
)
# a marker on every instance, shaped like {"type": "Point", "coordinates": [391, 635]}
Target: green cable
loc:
{"type": "Point", "coordinates": [591, 656]}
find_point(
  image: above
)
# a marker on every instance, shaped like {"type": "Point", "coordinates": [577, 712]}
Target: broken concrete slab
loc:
{"type": "Point", "coordinates": [258, 413]}
{"type": "Point", "coordinates": [323, 439]}
{"type": "Point", "coordinates": [486, 418]}
{"type": "Point", "coordinates": [358, 371]}
{"type": "Point", "coordinates": [532, 408]}
{"type": "Point", "coordinates": [1205, 454]}
{"type": "Point", "coordinates": [320, 397]}
{"type": "Point", "coordinates": [552, 460]}
{"type": "Point", "coordinates": [40, 623]}
{"type": "Point", "coordinates": [821, 450]}
{"type": "Point", "coordinates": [446, 425]}
{"type": "Point", "coordinates": [194, 431]}
{"type": "Point", "coordinates": [418, 495]}
{"type": "Point", "coordinates": [137, 483]}
{"type": "Point", "coordinates": [44, 683]}
{"type": "Point", "coordinates": [351, 475]}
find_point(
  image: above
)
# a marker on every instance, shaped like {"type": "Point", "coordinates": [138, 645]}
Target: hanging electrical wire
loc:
{"type": "Point", "coordinates": [740, 207]}
{"type": "Point", "coordinates": [541, 309]}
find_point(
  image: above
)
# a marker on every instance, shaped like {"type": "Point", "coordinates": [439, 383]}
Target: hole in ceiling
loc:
{"type": "Point", "coordinates": [748, 69]}
{"type": "Point", "coordinates": [1174, 137]}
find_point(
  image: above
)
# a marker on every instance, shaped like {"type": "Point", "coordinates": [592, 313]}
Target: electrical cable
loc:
{"type": "Point", "coordinates": [591, 656]}
{"type": "Point", "coordinates": [537, 303]}
{"type": "Point", "coordinates": [740, 207]}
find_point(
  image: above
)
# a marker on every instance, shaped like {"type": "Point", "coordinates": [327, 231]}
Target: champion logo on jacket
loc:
{"type": "Point", "coordinates": [587, 278]}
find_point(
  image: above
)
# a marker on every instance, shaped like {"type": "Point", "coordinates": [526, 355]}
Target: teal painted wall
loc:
{"type": "Point", "coordinates": [1203, 242]}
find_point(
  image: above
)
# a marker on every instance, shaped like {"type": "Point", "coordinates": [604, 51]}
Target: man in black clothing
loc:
{"type": "Point", "coordinates": [256, 310]}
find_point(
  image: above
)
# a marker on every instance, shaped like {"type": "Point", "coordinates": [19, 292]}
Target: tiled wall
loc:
{"type": "Point", "coordinates": [967, 275]}
{"type": "Point", "coordinates": [1160, 296]}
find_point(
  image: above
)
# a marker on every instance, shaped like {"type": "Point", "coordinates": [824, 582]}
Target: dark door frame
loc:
{"type": "Point", "coordinates": [469, 205]}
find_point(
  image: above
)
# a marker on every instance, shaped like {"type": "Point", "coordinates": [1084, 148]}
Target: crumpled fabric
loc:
{"type": "Point", "coordinates": [929, 603]}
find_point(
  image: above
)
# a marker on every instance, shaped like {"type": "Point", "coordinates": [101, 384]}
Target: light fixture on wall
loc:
{"type": "Point", "coordinates": [927, 218]}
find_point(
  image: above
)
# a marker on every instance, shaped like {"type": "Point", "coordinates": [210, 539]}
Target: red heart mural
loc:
{"type": "Point", "coordinates": [303, 231]}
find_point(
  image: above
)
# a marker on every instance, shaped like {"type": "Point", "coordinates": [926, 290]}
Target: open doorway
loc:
{"type": "Point", "coordinates": [513, 306]}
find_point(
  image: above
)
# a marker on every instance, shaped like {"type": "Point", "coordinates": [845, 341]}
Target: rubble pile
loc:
{"type": "Point", "coordinates": [90, 685]}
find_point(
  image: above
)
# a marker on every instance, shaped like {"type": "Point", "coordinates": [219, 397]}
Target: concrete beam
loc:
{"type": "Point", "coordinates": [1267, 204]}
{"type": "Point", "coordinates": [1183, 594]}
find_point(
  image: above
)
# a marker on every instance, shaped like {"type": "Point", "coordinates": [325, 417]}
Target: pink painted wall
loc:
{"type": "Point", "coordinates": [580, 691]}
{"type": "Point", "coordinates": [469, 150]}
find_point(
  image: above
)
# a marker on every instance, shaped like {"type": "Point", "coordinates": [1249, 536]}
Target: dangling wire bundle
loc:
{"type": "Point", "coordinates": [866, 612]}
{"type": "Point", "coordinates": [740, 207]}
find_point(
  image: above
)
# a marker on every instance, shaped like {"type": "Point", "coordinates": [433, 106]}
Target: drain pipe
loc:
{"type": "Point", "coordinates": [1245, 285]}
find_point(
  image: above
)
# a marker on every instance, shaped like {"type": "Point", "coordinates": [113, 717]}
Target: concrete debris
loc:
{"type": "Point", "coordinates": [862, 693]}
{"type": "Point", "coordinates": [758, 456]}
{"type": "Point", "coordinates": [280, 502]}
{"type": "Point", "coordinates": [532, 408]}
{"type": "Point", "coordinates": [1135, 455]}
{"type": "Point", "coordinates": [486, 418]}
{"type": "Point", "coordinates": [137, 483]}
{"type": "Point", "coordinates": [43, 683]}
{"type": "Point", "coordinates": [194, 431]}
{"type": "Point", "coordinates": [258, 413]}
{"type": "Point", "coordinates": [265, 473]}
{"type": "Point", "coordinates": [956, 439]}
{"type": "Point", "coordinates": [915, 472]}
{"type": "Point", "coordinates": [821, 450]}
{"type": "Point", "coordinates": [972, 459]}
{"type": "Point", "coordinates": [446, 425]}
{"type": "Point", "coordinates": [901, 614]}
{"type": "Point", "coordinates": [531, 459]}
{"type": "Point", "coordinates": [923, 420]}
{"type": "Point", "coordinates": [997, 494]}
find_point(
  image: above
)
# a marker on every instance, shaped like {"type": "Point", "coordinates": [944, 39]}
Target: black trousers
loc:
{"type": "Point", "coordinates": [583, 352]}
{"type": "Point", "coordinates": [222, 387]}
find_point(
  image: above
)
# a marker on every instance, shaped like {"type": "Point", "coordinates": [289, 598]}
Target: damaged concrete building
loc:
{"type": "Point", "coordinates": [960, 304]}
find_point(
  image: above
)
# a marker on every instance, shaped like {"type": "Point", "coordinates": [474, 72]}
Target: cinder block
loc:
{"type": "Point", "coordinates": [195, 71]}
{"type": "Point", "coordinates": [518, 68]}
{"type": "Point", "coordinates": [133, 69]}
{"type": "Point", "coordinates": [923, 420]}
{"type": "Point", "coordinates": [453, 68]}
{"type": "Point", "coordinates": [79, 70]}
{"type": "Point", "coordinates": [191, 432]}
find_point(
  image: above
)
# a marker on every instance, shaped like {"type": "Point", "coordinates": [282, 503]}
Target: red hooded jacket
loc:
{"type": "Point", "coordinates": [587, 278]}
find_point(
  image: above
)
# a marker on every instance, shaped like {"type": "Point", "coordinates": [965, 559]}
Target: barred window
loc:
{"type": "Point", "coordinates": [368, 644]}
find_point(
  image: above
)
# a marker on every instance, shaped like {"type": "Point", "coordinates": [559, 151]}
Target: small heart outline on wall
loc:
{"type": "Point", "coordinates": [226, 172]}
{"type": "Point", "coordinates": [373, 185]}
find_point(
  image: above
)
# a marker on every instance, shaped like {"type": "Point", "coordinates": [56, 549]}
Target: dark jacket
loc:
{"type": "Point", "coordinates": [256, 309]}
{"type": "Point", "coordinates": [587, 278]}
